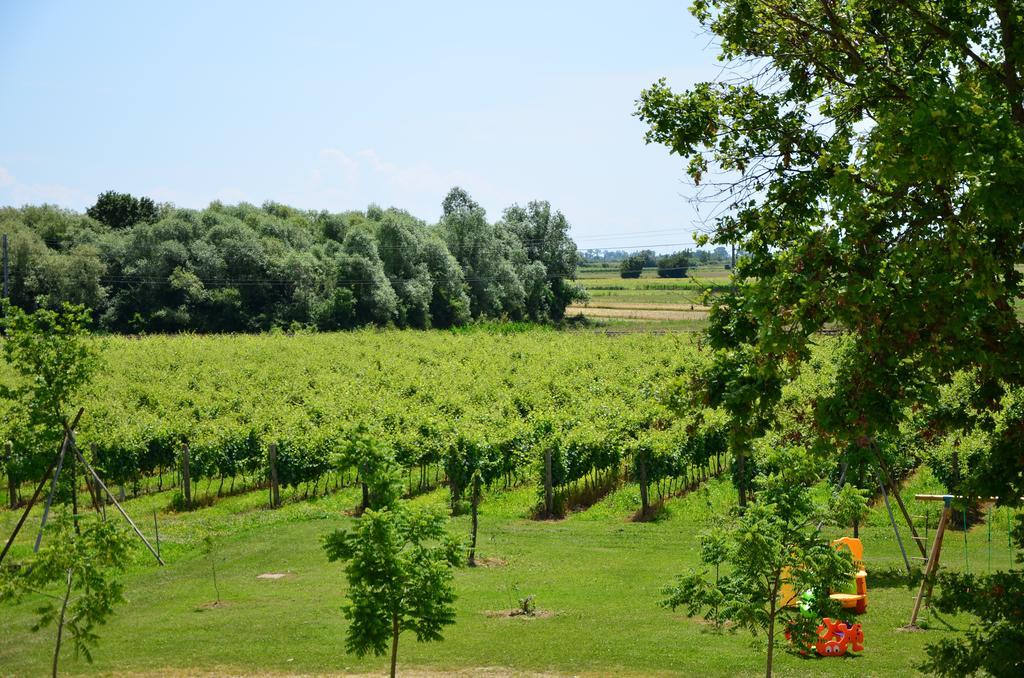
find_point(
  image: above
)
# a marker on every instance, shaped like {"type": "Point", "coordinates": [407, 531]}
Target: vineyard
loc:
{"type": "Point", "coordinates": [589, 402]}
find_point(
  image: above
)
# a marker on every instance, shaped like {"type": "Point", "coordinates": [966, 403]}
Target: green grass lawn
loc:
{"type": "Point", "coordinates": [597, 571]}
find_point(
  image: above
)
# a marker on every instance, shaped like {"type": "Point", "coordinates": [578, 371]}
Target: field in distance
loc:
{"type": "Point", "coordinates": [648, 302]}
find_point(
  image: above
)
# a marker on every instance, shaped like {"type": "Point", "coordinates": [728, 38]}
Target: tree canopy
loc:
{"type": "Point", "coordinates": [867, 157]}
{"type": "Point", "coordinates": [142, 267]}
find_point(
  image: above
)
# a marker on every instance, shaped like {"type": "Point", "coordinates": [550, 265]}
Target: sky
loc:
{"type": "Point", "coordinates": [337, 105]}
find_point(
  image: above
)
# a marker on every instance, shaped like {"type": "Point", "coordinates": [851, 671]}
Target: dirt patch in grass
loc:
{"type": "Point", "coordinates": [274, 576]}
{"type": "Point", "coordinates": [519, 614]}
{"type": "Point", "coordinates": [491, 562]}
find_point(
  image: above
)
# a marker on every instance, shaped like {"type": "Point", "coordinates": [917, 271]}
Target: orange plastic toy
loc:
{"type": "Point", "coordinates": [836, 637]}
{"type": "Point", "coordinates": [857, 597]}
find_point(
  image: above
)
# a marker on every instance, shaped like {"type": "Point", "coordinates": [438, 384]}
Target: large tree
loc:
{"type": "Point", "coordinates": [868, 158]}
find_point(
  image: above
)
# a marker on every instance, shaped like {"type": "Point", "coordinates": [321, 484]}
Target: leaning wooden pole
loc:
{"type": "Point", "coordinates": [53, 491]}
{"type": "Point", "coordinates": [118, 506]}
{"type": "Point", "coordinates": [28, 509]}
{"type": "Point", "coordinates": [35, 496]}
{"type": "Point", "coordinates": [895, 492]}
{"type": "Point", "coordinates": [933, 565]}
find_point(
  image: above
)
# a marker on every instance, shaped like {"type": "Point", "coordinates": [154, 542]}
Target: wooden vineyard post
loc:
{"type": "Point", "coordinates": [644, 498]}
{"type": "Point", "coordinates": [549, 499]}
{"type": "Point", "coordinates": [186, 482]}
{"type": "Point", "coordinates": [275, 497]}
{"type": "Point", "coordinates": [156, 529]}
{"type": "Point", "coordinates": [932, 566]}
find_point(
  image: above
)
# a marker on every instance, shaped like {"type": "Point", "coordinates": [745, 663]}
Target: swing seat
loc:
{"type": "Point", "coordinates": [856, 597]}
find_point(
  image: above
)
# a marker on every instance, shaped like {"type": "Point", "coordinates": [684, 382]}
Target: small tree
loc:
{"type": "Point", "coordinates": [50, 352]}
{"type": "Point", "coordinates": [398, 568]}
{"type": "Point", "coordinates": [399, 574]}
{"type": "Point", "coordinates": [211, 553]}
{"type": "Point", "coordinates": [771, 544]}
{"type": "Point", "coordinates": [84, 563]}
{"type": "Point", "coordinates": [375, 466]}
{"type": "Point", "coordinates": [471, 464]}
{"type": "Point", "coordinates": [633, 265]}
{"type": "Point", "coordinates": [675, 265]}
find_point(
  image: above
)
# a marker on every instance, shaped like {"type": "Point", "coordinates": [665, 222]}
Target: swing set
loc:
{"type": "Point", "coordinates": [924, 593]}
{"type": "Point", "coordinates": [929, 555]}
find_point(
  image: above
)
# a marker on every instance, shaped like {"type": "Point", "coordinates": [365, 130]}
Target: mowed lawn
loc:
{"type": "Point", "coordinates": [597, 571]}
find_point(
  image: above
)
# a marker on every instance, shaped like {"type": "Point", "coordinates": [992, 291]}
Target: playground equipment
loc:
{"type": "Point", "coordinates": [924, 593]}
{"type": "Point", "coordinates": [855, 595]}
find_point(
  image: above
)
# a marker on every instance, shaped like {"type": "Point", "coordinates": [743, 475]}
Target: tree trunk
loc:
{"type": "Point", "coordinates": [60, 623]}
{"type": "Point", "coordinates": [394, 644]}
{"type": "Point", "coordinates": [742, 484]}
{"type": "Point", "coordinates": [645, 503]}
{"type": "Point", "coordinates": [366, 499]}
{"type": "Point", "coordinates": [475, 503]}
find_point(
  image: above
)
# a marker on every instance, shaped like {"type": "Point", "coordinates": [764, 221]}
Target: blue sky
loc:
{"type": "Point", "coordinates": [334, 105]}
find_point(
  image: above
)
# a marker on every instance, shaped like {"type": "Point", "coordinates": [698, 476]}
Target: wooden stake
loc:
{"type": "Point", "coordinates": [186, 481]}
{"type": "Point", "coordinates": [933, 565]}
{"type": "Point", "coordinates": [275, 496]}
{"type": "Point", "coordinates": [28, 508]}
{"type": "Point", "coordinates": [53, 490]}
{"type": "Point", "coordinates": [549, 499]}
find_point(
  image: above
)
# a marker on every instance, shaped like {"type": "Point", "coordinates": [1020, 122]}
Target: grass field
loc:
{"type": "Point", "coordinates": [598, 572]}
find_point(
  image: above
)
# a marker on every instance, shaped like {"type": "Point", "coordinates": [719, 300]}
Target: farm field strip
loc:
{"type": "Point", "coordinates": [634, 313]}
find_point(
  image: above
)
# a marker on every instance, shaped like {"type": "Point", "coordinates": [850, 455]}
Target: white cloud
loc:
{"type": "Point", "coordinates": [14, 192]}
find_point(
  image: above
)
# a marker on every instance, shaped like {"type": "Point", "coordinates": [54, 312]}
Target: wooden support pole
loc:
{"type": "Point", "coordinates": [275, 495]}
{"type": "Point", "coordinates": [645, 503]}
{"type": "Point", "coordinates": [895, 529]}
{"type": "Point", "coordinates": [28, 508]}
{"type": "Point", "coordinates": [549, 497]}
{"type": "Point", "coordinates": [156, 529]}
{"type": "Point", "coordinates": [895, 492]}
{"type": "Point", "coordinates": [186, 481]}
{"type": "Point", "coordinates": [933, 566]}
{"type": "Point", "coordinates": [53, 491]}
{"type": "Point", "coordinates": [123, 513]}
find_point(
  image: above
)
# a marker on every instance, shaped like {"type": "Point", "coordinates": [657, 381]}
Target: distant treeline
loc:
{"type": "Point", "coordinates": [144, 267]}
